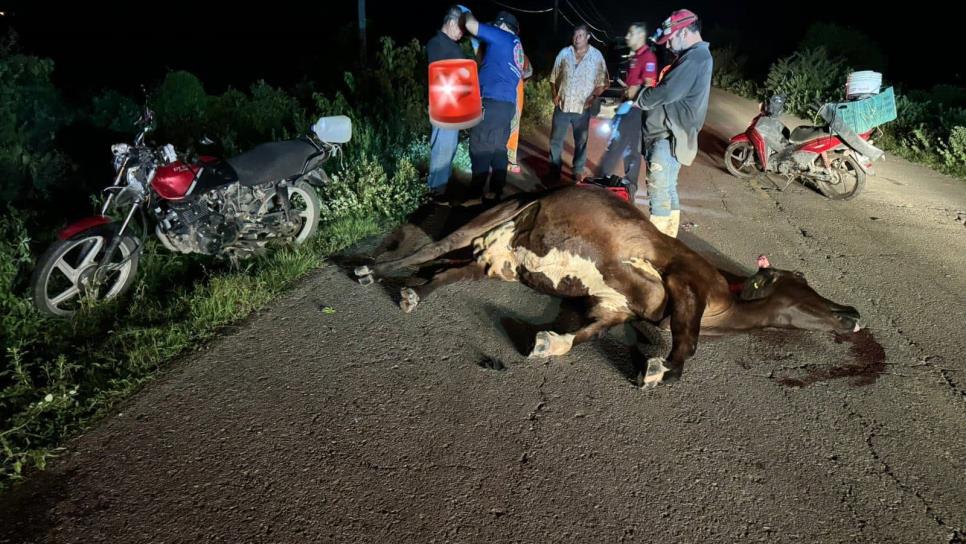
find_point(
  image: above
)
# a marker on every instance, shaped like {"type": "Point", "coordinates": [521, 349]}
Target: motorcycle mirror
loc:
{"type": "Point", "coordinates": [147, 117]}
{"type": "Point", "coordinates": [205, 140]}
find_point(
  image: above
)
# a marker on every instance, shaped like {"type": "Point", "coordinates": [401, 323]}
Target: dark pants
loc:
{"type": "Point", "coordinates": [558, 132]}
{"type": "Point", "coordinates": [625, 143]}
{"type": "Point", "coordinates": [488, 146]}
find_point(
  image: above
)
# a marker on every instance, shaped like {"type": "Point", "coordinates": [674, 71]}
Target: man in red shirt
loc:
{"type": "Point", "coordinates": [625, 141]}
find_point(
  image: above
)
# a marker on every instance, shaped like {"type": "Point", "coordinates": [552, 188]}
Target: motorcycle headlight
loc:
{"type": "Point", "coordinates": [133, 175]}
{"type": "Point", "coordinates": [121, 152]}
{"type": "Point", "coordinates": [136, 179]}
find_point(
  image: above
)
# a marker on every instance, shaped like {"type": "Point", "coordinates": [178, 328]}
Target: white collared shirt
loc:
{"type": "Point", "coordinates": [576, 82]}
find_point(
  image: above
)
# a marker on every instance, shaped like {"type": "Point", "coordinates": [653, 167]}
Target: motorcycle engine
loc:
{"type": "Point", "coordinates": [195, 226]}
{"type": "Point", "coordinates": [229, 220]}
{"type": "Point", "coordinates": [803, 160]}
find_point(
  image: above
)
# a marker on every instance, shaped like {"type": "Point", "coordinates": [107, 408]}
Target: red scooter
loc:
{"type": "Point", "coordinates": [809, 154]}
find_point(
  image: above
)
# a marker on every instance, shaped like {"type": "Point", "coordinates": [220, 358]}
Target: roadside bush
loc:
{"type": "Point", "coordinates": [31, 113]}
{"type": "Point", "coordinates": [807, 79]}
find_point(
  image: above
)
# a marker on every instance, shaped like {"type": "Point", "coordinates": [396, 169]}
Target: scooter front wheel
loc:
{"type": "Point", "coordinates": [739, 159]}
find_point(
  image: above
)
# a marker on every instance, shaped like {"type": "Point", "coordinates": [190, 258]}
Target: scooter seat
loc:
{"type": "Point", "coordinates": [805, 133]}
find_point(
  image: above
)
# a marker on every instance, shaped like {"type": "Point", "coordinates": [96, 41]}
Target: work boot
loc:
{"type": "Point", "coordinates": [675, 224]}
{"type": "Point", "coordinates": [662, 222]}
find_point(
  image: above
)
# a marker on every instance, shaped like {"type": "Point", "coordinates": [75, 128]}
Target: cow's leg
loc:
{"type": "Point", "coordinates": [409, 297]}
{"type": "Point", "coordinates": [687, 305]}
{"type": "Point", "coordinates": [549, 344]}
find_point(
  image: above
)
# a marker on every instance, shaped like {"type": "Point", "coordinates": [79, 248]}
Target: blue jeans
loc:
{"type": "Point", "coordinates": [558, 132]}
{"type": "Point", "coordinates": [662, 178]}
{"type": "Point", "coordinates": [443, 143]}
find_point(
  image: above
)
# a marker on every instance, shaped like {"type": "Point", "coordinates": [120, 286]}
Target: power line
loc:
{"type": "Point", "coordinates": [521, 10]}
{"type": "Point", "coordinates": [584, 19]}
{"type": "Point", "coordinates": [592, 35]}
{"type": "Point", "coordinates": [600, 17]}
{"type": "Point", "coordinates": [579, 15]}
{"type": "Point", "coordinates": [562, 14]}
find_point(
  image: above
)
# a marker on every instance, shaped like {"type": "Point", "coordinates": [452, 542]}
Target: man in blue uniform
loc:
{"type": "Point", "coordinates": [500, 72]}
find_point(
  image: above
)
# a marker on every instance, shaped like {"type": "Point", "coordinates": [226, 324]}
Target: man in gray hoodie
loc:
{"type": "Point", "coordinates": [675, 111]}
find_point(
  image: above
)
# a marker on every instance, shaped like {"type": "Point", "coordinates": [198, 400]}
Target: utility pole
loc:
{"type": "Point", "coordinates": [556, 9]}
{"type": "Point", "coordinates": [362, 31]}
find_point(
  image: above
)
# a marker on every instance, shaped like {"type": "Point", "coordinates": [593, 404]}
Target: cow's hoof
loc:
{"type": "Point", "coordinates": [366, 280]}
{"type": "Point", "coordinates": [549, 344]}
{"type": "Point", "coordinates": [541, 345]}
{"type": "Point", "coordinates": [362, 271]}
{"type": "Point", "coordinates": [655, 373]}
{"type": "Point", "coordinates": [408, 299]}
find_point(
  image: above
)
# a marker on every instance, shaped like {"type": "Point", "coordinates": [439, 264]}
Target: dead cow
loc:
{"type": "Point", "coordinates": [583, 242]}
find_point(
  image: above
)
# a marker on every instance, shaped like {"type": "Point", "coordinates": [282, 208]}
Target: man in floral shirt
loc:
{"type": "Point", "coordinates": [579, 76]}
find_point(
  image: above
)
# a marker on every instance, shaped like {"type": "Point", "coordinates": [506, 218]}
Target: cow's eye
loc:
{"type": "Point", "coordinates": [799, 275]}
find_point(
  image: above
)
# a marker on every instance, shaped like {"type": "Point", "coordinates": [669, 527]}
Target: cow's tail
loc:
{"type": "Point", "coordinates": [462, 237]}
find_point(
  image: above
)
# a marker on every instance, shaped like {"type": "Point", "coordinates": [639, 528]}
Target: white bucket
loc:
{"type": "Point", "coordinates": [863, 84]}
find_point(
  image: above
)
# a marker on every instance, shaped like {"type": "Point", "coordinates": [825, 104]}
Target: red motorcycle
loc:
{"type": "Point", "coordinates": [810, 154]}
{"type": "Point", "coordinates": [229, 208]}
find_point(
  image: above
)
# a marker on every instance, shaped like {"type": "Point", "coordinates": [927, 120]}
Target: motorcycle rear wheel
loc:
{"type": "Point", "coordinates": [306, 202]}
{"type": "Point", "coordinates": [848, 182]}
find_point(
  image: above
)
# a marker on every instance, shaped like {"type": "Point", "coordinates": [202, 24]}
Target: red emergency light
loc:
{"type": "Point", "coordinates": [454, 94]}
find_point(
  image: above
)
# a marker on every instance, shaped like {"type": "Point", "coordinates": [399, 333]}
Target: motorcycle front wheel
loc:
{"type": "Point", "coordinates": [739, 159]}
{"type": "Point", "coordinates": [64, 277]}
{"type": "Point", "coordinates": [848, 179]}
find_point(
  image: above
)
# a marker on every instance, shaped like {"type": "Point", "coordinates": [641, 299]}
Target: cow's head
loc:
{"type": "Point", "coordinates": [783, 299]}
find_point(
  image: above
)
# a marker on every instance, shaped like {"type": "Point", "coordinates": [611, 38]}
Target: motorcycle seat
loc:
{"type": "Point", "coordinates": [802, 134]}
{"type": "Point", "coordinates": [271, 161]}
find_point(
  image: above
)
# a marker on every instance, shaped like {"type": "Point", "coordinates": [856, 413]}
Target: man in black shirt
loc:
{"type": "Point", "coordinates": [443, 141]}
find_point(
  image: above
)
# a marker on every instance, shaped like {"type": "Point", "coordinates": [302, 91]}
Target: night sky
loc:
{"type": "Point", "coordinates": [97, 45]}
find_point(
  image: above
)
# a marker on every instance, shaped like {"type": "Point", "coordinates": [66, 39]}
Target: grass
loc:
{"type": "Point", "coordinates": [67, 374]}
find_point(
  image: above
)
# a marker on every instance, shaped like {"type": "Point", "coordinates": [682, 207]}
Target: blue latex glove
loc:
{"type": "Point", "coordinates": [463, 8]}
{"type": "Point", "coordinates": [624, 108]}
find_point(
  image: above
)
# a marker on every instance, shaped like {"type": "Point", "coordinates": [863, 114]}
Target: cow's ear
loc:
{"type": "Point", "coordinates": [760, 285]}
